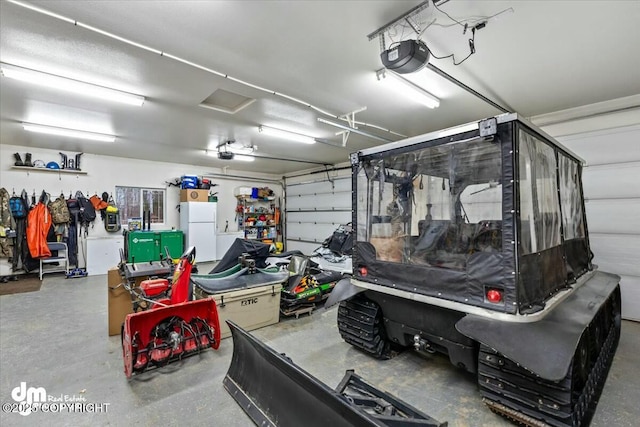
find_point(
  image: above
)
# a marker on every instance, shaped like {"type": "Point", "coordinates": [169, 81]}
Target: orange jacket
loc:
{"type": "Point", "coordinates": [38, 224]}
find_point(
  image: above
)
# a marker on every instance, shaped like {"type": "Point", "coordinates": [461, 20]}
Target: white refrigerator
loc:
{"type": "Point", "coordinates": [198, 222]}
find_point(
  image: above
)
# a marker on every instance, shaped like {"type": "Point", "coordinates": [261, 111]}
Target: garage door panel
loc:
{"type": "Point", "coordinates": [630, 288]}
{"type": "Point", "coordinates": [616, 253]}
{"type": "Point", "coordinates": [304, 247]}
{"type": "Point", "coordinates": [319, 202]}
{"type": "Point", "coordinates": [333, 217]}
{"type": "Point", "coordinates": [621, 146]}
{"type": "Point", "coordinates": [613, 216]}
{"type": "Point", "coordinates": [313, 232]}
{"type": "Point", "coordinates": [339, 185]}
{"type": "Point", "coordinates": [612, 181]}
{"type": "Point", "coordinates": [315, 209]}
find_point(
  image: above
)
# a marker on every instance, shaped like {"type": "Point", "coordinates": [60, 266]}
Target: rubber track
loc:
{"type": "Point", "coordinates": [360, 324]}
{"type": "Point", "coordinates": [521, 396]}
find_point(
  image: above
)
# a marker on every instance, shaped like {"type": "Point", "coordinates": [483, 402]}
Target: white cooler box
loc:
{"type": "Point", "coordinates": [251, 308]}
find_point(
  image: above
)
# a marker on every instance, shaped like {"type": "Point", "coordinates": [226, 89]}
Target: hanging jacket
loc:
{"type": "Point", "coordinates": [38, 224]}
{"type": "Point", "coordinates": [6, 250]}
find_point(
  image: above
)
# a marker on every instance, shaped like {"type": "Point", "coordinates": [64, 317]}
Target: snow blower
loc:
{"type": "Point", "coordinates": [172, 326]}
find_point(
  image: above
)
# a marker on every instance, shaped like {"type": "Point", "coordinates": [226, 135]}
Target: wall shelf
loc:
{"type": "Point", "coordinates": [256, 208]}
{"type": "Point", "coordinates": [47, 170]}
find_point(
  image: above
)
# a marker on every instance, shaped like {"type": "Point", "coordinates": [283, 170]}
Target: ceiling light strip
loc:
{"type": "Point", "coordinates": [240, 157]}
{"type": "Point", "coordinates": [69, 85]}
{"type": "Point", "coordinates": [407, 88]}
{"type": "Point", "coordinates": [243, 157]}
{"type": "Point", "coordinates": [72, 133]}
{"type": "Point", "coordinates": [287, 134]}
{"type": "Point", "coordinates": [161, 53]}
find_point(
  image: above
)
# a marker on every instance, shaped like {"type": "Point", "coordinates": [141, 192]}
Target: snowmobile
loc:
{"type": "Point", "coordinates": [472, 242]}
{"type": "Point", "coordinates": [171, 325]}
{"type": "Point", "coordinates": [306, 286]}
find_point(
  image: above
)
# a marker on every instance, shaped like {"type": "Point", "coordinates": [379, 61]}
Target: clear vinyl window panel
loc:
{"type": "Point", "coordinates": [436, 206]}
{"type": "Point", "coordinates": [570, 198]}
{"type": "Point", "coordinates": [540, 219]}
{"type": "Point", "coordinates": [132, 202]}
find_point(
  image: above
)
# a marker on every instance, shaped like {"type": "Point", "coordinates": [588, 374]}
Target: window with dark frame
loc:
{"type": "Point", "coordinates": [132, 202]}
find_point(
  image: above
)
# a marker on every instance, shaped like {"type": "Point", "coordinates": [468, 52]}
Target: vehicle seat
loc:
{"type": "Point", "coordinates": [488, 236]}
{"type": "Point", "coordinates": [432, 233]}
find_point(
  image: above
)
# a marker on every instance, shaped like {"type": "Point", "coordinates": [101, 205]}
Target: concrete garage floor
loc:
{"type": "Point", "coordinates": [57, 339]}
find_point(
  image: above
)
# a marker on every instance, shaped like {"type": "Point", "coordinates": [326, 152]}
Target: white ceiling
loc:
{"type": "Point", "coordinates": [537, 57]}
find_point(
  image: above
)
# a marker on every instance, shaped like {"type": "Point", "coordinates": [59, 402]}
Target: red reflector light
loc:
{"type": "Point", "coordinates": [363, 271]}
{"type": "Point", "coordinates": [494, 296]}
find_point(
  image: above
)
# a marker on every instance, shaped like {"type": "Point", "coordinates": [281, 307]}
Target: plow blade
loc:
{"type": "Point", "coordinates": [156, 337]}
{"type": "Point", "coordinates": [275, 392]}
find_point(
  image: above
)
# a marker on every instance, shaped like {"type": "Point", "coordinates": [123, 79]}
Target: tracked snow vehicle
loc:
{"type": "Point", "coordinates": [473, 242]}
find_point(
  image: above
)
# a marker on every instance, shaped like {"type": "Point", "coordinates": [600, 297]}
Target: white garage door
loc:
{"type": "Point", "coordinates": [612, 193]}
{"type": "Point", "coordinates": [315, 205]}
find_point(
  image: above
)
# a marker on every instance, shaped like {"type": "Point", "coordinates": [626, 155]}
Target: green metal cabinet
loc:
{"type": "Point", "coordinates": [174, 241]}
{"type": "Point", "coordinates": [142, 246]}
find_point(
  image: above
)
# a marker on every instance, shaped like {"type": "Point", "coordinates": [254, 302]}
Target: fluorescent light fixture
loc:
{"type": "Point", "coordinates": [286, 134]}
{"type": "Point", "coordinates": [72, 133]}
{"type": "Point", "coordinates": [243, 158]}
{"type": "Point", "coordinates": [240, 149]}
{"type": "Point", "coordinates": [406, 88]}
{"type": "Point", "coordinates": [69, 85]}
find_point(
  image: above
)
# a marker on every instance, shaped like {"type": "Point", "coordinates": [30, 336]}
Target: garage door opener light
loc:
{"type": "Point", "coordinates": [72, 133]}
{"type": "Point", "coordinates": [70, 85]}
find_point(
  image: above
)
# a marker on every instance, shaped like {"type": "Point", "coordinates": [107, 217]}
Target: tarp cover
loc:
{"type": "Point", "coordinates": [256, 250]}
{"type": "Point", "coordinates": [213, 285]}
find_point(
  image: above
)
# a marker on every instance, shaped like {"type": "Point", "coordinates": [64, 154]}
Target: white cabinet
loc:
{"type": "Point", "coordinates": [103, 253]}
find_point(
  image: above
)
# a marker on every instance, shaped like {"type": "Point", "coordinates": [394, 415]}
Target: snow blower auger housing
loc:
{"type": "Point", "coordinates": [473, 242]}
{"type": "Point", "coordinates": [172, 325]}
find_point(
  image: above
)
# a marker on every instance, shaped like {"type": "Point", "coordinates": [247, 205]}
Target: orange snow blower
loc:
{"type": "Point", "coordinates": [172, 326]}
